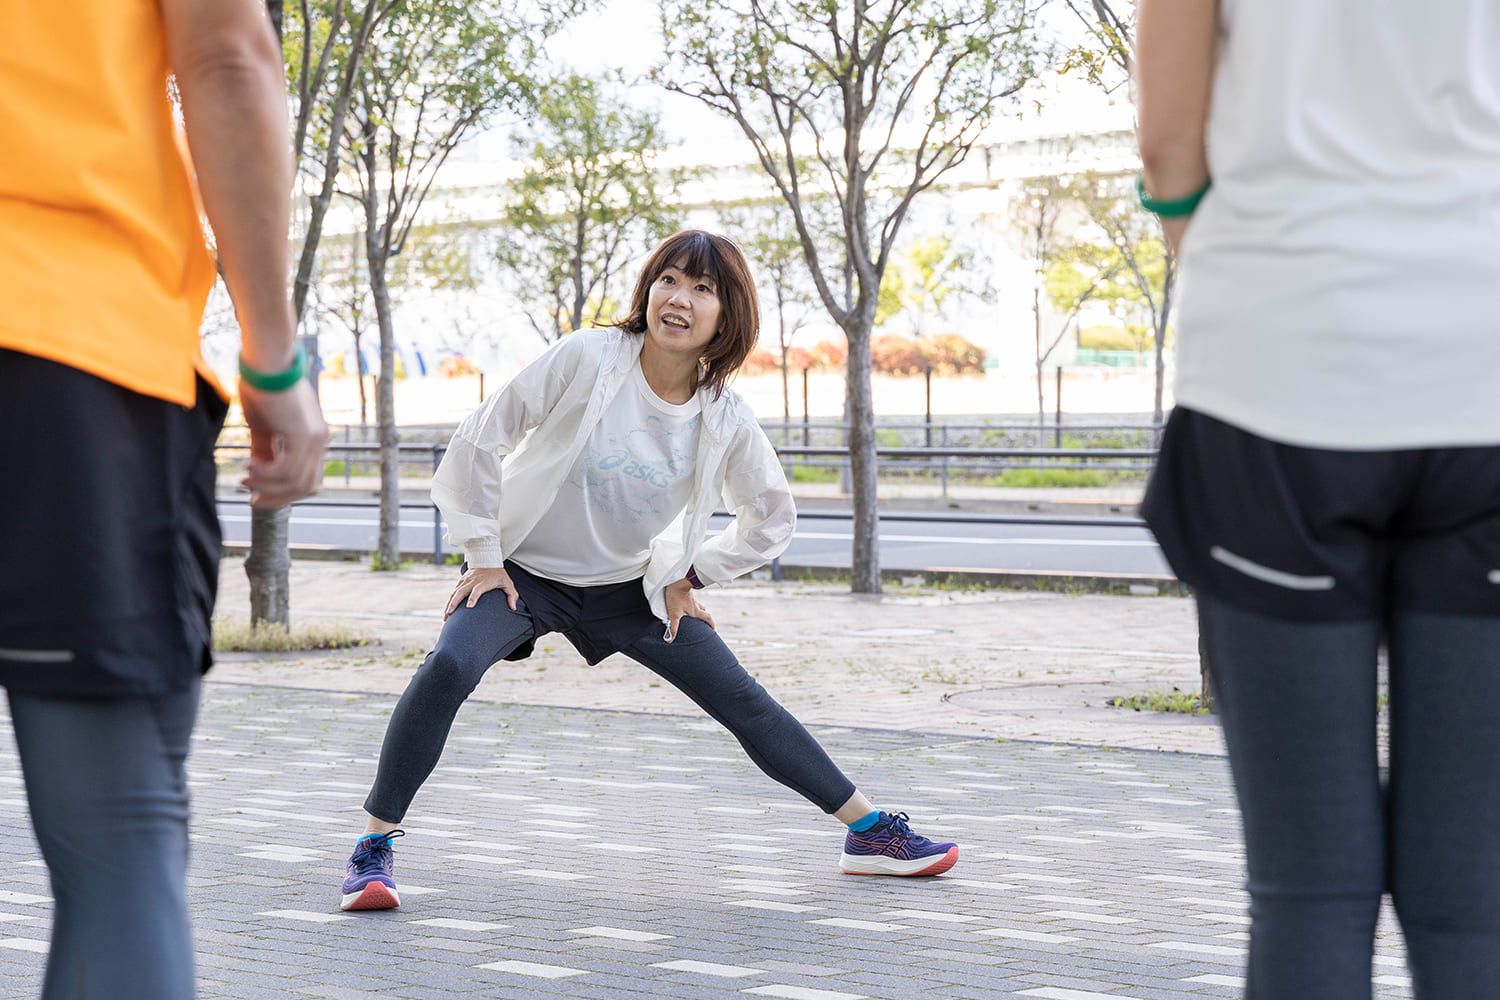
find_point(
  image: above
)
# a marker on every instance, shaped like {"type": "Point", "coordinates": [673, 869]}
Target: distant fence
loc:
{"type": "Point", "coordinates": [940, 461]}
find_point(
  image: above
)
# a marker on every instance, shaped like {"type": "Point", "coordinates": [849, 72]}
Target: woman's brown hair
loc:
{"type": "Point", "coordinates": [706, 255]}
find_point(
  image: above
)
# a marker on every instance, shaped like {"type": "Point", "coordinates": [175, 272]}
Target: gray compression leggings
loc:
{"type": "Point", "coordinates": [109, 801]}
{"type": "Point", "coordinates": [1324, 839]}
{"type": "Point", "coordinates": [697, 663]}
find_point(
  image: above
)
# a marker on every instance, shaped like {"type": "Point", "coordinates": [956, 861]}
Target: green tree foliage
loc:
{"type": "Point", "coordinates": [768, 235]}
{"type": "Point", "coordinates": [863, 105]}
{"type": "Point", "coordinates": [591, 199]}
{"type": "Point", "coordinates": [1139, 272]}
{"type": "Point", "coordinates": [435, 71]}
{"type": "Point", "coordinates": [920, 280]}
{"type": "Point", "coordinates": [1104, 56]}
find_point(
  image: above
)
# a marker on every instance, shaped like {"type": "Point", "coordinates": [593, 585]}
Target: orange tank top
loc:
{"type": "Point", "coordinates": [103, 265]}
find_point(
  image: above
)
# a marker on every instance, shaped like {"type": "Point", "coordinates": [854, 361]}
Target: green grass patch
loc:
{"type": "Point", "coordinates": [1175, 700]}
{"type": "Point", "coordinates": [1035, 478]}
{"type": "Point", "coordinates": [814, 474]}
{"type": "Point", "coordinates": [232, 636]}
{"type": "Point", "coordinates": [335, 467]}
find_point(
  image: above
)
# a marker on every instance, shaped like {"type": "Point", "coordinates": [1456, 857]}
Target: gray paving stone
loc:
{"type": "Point", "coordinates": [500, 786]}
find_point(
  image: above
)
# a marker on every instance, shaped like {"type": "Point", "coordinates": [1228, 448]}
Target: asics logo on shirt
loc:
{"type": "Point", "coordinates": [636, 470]}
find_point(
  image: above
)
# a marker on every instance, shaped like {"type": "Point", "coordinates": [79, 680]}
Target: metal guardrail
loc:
{"type": "Point", "coordinates": [912, 517]}
{"type": "Point", "coordinates": [922, 456]}
{"type": "Point", "coordinates": [943, 460]}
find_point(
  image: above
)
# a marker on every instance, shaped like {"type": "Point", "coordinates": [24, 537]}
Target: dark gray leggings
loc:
{"type": "Point", "coordinates": [109, 802]}
{"type": "Point", "coordinates": [697, 663]}
{"type": "Point", "coordinates": [1324, 839]}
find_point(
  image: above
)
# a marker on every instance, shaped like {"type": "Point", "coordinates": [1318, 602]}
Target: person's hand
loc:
{"type": "Point", "coordinates": [475, 583]}
{"type": "Point", "coordinates": [287, 438]}
{"type": "Point", "coordinates": [682, 603]}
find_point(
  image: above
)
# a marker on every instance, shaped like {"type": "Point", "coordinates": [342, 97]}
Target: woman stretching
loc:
{"type": "Point", "coordinates": [617, 446]}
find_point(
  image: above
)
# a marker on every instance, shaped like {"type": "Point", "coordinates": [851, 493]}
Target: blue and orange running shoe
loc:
{"type": "Point", "coordinates": [369, 878]}
{"type": "Point", "coordinates": [891, 847]}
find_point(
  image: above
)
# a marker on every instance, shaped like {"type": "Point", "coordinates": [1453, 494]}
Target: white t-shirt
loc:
{"type": "Point", "coordinates": [1341, 281]}
{"type": "Point", "coordinates": [632, 479]}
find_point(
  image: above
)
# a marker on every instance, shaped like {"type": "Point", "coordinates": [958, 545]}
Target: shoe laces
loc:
{"type": "Point", "coordinates": [899, 830]}
{"type": "Point", "coordinates": [373, 852]}
{"type": "Point", "coordinates": [897, 824]}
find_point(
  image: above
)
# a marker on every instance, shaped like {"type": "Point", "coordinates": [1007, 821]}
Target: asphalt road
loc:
{"type": "Point", "coordinates": [821, 541]}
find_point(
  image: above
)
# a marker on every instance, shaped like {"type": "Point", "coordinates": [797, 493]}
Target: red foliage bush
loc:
{"type": "Point", "coordinates": [892, 354]}
{"type": "Point", "coordinates": [951, 354]}
{"type": "Point", "coordinates": [455, 366]}
{"type": "Point", "coordinates": [761, 362]}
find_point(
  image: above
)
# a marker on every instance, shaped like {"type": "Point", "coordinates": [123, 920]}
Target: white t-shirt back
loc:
{"type": "Point", "coordinates": [632, 479]}
{"type": "Point", "coordinates": [1341, 282]}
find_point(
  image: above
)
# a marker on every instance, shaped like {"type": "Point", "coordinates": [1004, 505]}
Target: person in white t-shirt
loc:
{"type": "Point", "coordinates": [580, 494]}
{"type": "Point", "coordinates": [1330, 480]}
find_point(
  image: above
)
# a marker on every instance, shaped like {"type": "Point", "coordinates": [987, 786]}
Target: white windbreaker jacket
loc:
{"type": "Point", "coordinates": [510, 457]}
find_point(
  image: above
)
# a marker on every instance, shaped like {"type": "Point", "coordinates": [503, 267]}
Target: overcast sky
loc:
{"type": "Point", "coordinates": [625, 35]}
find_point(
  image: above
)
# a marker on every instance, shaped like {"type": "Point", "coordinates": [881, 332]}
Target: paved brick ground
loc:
{"type": "Point", "coordinates": [609, 854]}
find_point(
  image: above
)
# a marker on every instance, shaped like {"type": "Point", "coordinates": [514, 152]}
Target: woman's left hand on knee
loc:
{"type": "Point", "coordinates": [682, 603]}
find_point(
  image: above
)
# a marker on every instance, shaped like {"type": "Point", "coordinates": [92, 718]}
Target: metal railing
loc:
{"type": "Point", "coordinates": [940, 459]}
{"type": "Point", "coordinates": [911, 517]}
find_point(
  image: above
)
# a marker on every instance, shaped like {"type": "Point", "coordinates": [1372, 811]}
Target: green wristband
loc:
{"type": "Point", "coordinates": [278, 381]}
{"type": "Point", "coordinates": [1177, 208]}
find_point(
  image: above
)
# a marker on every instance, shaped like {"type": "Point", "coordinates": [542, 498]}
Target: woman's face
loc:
{"type": "Point", "coordinates": [682, 312]}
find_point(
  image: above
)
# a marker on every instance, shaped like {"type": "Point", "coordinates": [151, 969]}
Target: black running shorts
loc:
{"type": "Point", "coordinates": [1323, 535]}
{"type": "Point", "coordinates": [109, 538]}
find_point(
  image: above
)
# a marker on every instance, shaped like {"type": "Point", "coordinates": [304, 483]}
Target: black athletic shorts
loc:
{"type": "Point", "coordinates": [1323, 535]}
{"type": "Point", "coordinates": [109, 538]}
{"type": "Point", "coordinates": [599, 621]}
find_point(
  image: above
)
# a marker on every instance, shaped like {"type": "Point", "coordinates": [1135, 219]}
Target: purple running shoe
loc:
{"type": "Point", "coordinates": [369, 881]}
{"type": "Point", "coordinates": [891, 847]}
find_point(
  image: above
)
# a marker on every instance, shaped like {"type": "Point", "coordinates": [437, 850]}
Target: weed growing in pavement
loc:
{"type": "Point", "coordinates": [232, 636]}
{"type": "Point", "coordinates": [1175, 700]}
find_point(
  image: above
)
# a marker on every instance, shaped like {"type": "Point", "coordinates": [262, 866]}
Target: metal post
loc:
{"type": "Point", "coordinates": [437, 517]}
{"type": "Point", "coordinates": [776, 569]}
{"type": "Point", "coordinates": [347, 459]}
{"type": "Point", "coordinates": [1057, 421]}
{"type": "Point", "coordinates": [945, 460]}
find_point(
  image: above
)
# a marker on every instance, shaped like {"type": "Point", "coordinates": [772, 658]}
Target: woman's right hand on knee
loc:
{"type": "Point", "coordinates": [475, 583]}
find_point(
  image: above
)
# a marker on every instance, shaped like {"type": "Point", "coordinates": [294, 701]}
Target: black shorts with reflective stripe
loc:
{"type": "Point", "coordinates": [109, 537]}
{"type": "Point", "coordinates": [1326, 535]}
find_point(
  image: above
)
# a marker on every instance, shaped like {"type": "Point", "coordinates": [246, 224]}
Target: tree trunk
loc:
{"type": "Point", "coordinates": [864, 470]}
{"type": "Point", "coordinates": [786, 379]}
{"type": "Point", "coordinates": [388, 545]}
{"type": "Point", "coordinates": [1041, 402]}
{"type": "Point", "coordinates": [359, 376]}
{"type": "Point", "coordinates": [786, 401]}
{"type": "Point", "coordinates": [1168, 281]}
{"type": "Point", "coordinates": [1205, 678]}
{"type": "Point", "coordinates": [267, 567]}
{"type": "Point", "coordinates": [268, 562]}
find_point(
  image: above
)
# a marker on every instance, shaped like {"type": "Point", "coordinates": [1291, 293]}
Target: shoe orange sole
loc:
{"type": "Point", "coordinates": [375, 896]}
{"type": "Point", "coordinates": [939, 866]}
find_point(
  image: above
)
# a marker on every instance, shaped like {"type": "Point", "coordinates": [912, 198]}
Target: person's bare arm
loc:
{"type": "Point", "coordinates": [229, 73]}
{"type": "Point", "coordinates": [1174, 64]}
